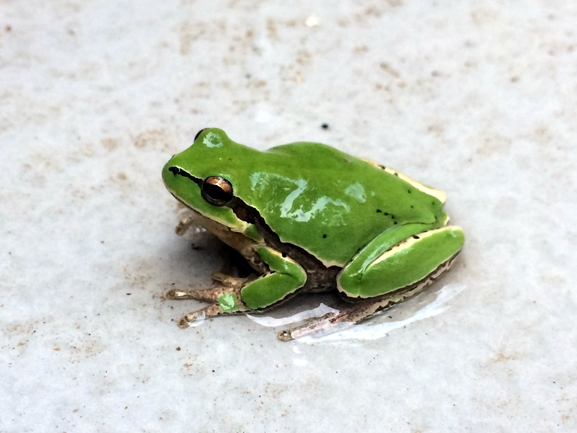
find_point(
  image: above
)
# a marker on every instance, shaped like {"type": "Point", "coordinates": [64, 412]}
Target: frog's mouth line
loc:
{"type": "Point", "coordinates": [177, 171]}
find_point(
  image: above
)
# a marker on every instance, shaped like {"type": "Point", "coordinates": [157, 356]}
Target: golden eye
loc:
{"type": "Point", "coordinates": [216, 190]}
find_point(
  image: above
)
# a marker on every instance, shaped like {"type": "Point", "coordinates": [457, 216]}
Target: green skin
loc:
{"type": "Point", "coordinates": [315, 218]}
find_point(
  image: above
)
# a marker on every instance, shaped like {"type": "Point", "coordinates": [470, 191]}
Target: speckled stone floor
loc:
{"type": "Point", "coordinates": [475, 98]}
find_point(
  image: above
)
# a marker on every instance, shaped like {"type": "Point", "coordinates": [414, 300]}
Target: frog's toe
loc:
{"type": "Point", "coordinates": [177, 294]}
{"type": "Point", "coordinates": [311, 326]}
{"type": "Point", "coordinates": [285, 335]}
{"type": "Point", "coordinates": [203, 295]}
{"type": "Point", "coordinates": [187, 220]}
{"type": "Point", "coordinates": [183, 323]}
{"type": "Point", "coordinates": [197, 317]}
{"type": "Point", "coordinates": [192, 319]}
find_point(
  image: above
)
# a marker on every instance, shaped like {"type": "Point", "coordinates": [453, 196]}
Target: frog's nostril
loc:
{"type": "Point", "coordinates": [177, 171]}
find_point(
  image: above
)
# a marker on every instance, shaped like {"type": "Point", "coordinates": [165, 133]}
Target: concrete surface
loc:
{"type": "Point", "coordinates": [475, 98]}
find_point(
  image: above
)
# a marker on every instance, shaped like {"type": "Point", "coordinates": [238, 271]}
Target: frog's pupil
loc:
{"type": "Point", "coordinates": [216, 190]}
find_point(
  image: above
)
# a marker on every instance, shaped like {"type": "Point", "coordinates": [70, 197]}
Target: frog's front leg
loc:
{"type": "Point", "coordinates": [389, 269]}
{"type": "Point", "coordinates": [222, 299]}
{"type": "Point", "coordinates": [238, 295]}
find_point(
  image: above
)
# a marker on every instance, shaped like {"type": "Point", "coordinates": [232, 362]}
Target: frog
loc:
{"type": "Point", "coordinates": [309, 218]}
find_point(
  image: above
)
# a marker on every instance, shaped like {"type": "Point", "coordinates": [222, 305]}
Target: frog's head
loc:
{"type": "Point", "coordinates": [203, 176]}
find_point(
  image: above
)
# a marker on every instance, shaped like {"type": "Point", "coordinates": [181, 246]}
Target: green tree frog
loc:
{"type": "Point", "coordinates": [309, 218]}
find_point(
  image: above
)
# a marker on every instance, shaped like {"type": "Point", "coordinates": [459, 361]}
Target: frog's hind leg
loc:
{"type": "Point", "coordinates": [352, 313]}
{"type": "Point", "coordinates": [361, 310]}
{"type": "Point", "coordinates": [358, 311]}
{"type": "Point", "coordinates": [381, 268]}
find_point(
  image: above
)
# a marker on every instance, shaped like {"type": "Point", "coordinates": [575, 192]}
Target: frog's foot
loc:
{"type": "Point", "coordinates": [285, 278]}
{"type": "Point", "coordinates": [223, 299]}
{"type": "Point", "coordinates": [207, 312]}
{"type": "Point", "coordinates": [186, 220]}
{"type": "Point", "coordinates": [226, 301]}
{"type": "Point", "coordinates": [352, 313]}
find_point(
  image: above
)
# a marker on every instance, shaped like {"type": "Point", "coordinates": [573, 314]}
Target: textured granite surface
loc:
{"type": "Point", "coordinates": [475, 98]}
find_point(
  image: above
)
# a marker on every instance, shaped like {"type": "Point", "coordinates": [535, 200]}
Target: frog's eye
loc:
{"type": "Point", "coordinates": [216, 190]}
{"type": "Point", "coordinates": [198, 133]}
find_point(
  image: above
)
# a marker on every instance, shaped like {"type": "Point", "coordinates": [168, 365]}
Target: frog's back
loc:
{"type": "Point", "coordinates": [331, 203]}
{"type": "Point", "coordinates": [310, 154]}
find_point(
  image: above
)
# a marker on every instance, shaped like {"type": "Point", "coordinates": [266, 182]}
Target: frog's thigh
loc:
{"type": "Point", "coordinates": [286, 277]}
{"type": "Point", "coordinates": [379, 269]}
